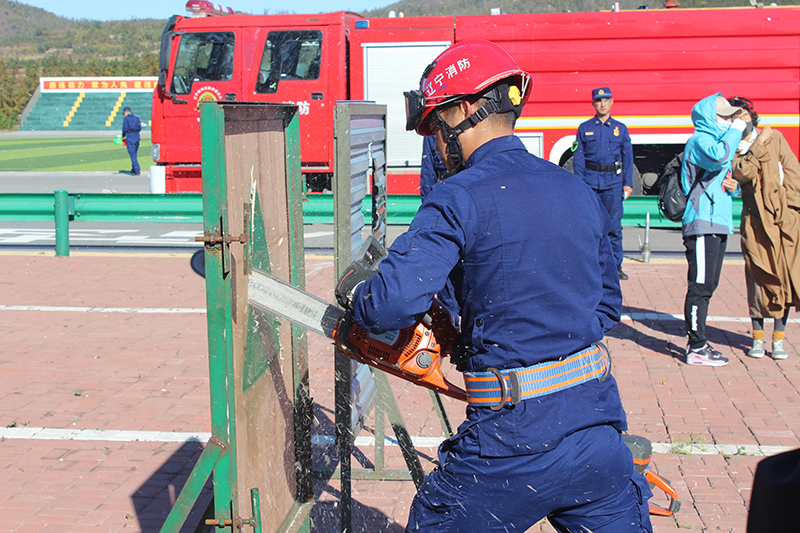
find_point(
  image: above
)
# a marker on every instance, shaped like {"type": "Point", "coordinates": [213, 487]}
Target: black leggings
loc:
{"type": "Point", "coordinates": [705, 254]}
{"type": "Point", "coordinates": [780, 323]}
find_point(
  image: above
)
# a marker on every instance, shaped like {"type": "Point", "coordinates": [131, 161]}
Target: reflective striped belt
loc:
{"type": "Point", "coordinates": [494, 388]}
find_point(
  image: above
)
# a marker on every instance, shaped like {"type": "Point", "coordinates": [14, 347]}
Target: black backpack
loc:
{"type": "Point", "coordinates": [671, 198]}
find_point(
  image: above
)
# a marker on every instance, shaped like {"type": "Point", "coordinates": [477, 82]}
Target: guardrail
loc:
{"type": "Point", "coordinates": [63, 207]}
{"type": "Point", "coordinates": [104, 207]}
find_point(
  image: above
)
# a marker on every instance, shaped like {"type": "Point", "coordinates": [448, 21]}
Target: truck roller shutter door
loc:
{"type": "Point", "coordinates": [390, 69]}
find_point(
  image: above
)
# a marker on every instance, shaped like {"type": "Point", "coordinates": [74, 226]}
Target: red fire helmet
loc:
{"type": "Point", "coordinates": [466, 68]}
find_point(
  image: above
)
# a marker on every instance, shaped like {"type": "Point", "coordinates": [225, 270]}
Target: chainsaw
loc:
{"type": "Point", "coordinates": [414, 353]}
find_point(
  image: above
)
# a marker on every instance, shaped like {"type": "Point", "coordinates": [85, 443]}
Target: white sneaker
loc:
{"type": "Point", "coordinates": [705, 356]}
{"type": "Point", "coordinates": [757, 351]}
{"type": "Point", "coordinates": [778, 351]}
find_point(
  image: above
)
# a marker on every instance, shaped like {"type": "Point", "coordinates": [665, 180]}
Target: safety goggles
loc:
{"type": "Point", "coordinates": [415, 107]}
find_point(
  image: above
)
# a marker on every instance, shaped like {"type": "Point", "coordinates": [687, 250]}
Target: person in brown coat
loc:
{"type": "Point", "coordinates": [769, 175]}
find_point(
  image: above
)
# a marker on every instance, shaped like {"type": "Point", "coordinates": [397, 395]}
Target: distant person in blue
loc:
{"type": "Point", "coordinates": [525, 245]}
{"type": "Point", "coordinates": [431, 170]}
{"type": "Point", "coordinates": [131, 126]}
{"type": "Point", "coordinates": [603, 159]}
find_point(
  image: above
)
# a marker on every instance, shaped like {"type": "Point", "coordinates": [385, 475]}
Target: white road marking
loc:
{"type": "Point", "coordinates": [113, 435]}
{"type": "Point", "coordinates": [75, 309]}
{"type": "Point", "coordinates": [190, 234]}
{"type": "Point", "coordinates": [329, 440]}
{"type": "Point", "coordinates": [312, 234]}
{"type": "Point", "coordinates": [632, 317]}
{"type": "Point", "coordinates": [640, 317]}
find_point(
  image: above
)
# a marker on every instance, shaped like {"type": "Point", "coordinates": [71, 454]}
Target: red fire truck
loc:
{"type": "Point", "coordinates": [658, 62]}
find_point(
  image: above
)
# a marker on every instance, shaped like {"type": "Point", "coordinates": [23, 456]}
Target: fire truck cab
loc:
{"type": "Point", "coordinates": [658, 62]}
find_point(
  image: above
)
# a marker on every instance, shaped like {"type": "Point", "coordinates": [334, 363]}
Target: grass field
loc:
{"type": "Point", "coordinates": [69, 154]}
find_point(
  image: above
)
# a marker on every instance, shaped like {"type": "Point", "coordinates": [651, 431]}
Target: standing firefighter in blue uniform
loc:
{"type": "Point", "coordinates": [604, 160]}
{"type": "Point", "coordinates": [526, 247]}
{"type": "Point", "coordinates": [131, 126]}
{"type": "Point", "coordinates": [431, 169]}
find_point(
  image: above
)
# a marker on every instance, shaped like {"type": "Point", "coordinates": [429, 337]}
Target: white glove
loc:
{"type": "Point", "coordinates": [739, 124]}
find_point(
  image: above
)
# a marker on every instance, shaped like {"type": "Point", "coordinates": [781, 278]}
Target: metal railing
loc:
{"type": "Point", "coordinates": [63, 207]}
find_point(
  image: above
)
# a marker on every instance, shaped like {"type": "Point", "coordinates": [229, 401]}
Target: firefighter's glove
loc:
{"type": "Point", "coordinates": [359, 271]}
{"type": "Point", "coordinates": [346, 288]}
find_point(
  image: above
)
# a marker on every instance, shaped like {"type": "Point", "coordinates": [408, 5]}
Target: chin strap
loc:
{"type": "Point", "coordinates": [501, 100]}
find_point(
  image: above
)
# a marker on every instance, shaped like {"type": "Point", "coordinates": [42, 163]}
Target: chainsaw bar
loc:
{"type": "Point", "coordinates": [296, 305]}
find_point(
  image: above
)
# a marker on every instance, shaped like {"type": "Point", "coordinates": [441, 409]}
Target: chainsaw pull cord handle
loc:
{"type": "Point", "coordinates": [427, 319]}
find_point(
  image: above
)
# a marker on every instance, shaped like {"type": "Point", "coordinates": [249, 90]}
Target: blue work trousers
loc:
{"type": "Point", "coordinates": [586, 483]}
{"type": "Point", "coordinates": [612, 201]}
{"type": "Point", "coordinates": [133, 149]}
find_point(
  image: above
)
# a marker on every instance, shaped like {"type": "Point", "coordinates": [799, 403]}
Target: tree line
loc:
{"type": "Point", "coordinates": [35, 43]}
{"type": "Point", "coordinates": [413, 8]}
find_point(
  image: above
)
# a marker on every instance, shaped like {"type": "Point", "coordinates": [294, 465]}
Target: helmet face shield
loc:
{"type": "Point", "coordinates": [415, 106]}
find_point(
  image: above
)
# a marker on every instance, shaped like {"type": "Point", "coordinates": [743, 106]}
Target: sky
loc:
{"type": "Point", "coordinates": [163, 9]}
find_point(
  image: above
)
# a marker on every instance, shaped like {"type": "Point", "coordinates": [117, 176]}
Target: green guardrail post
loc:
{"type": "Point", "coordinates": [62, 223]}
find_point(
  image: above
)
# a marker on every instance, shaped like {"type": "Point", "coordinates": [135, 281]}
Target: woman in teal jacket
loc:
{"type": "Point", "coordinates": [708, 219]}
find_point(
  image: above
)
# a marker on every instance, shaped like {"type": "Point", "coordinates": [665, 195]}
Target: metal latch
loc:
{"type": "Point", "coordinates": [215, 237]}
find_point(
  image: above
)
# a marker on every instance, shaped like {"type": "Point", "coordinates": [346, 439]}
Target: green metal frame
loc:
{"type": "Point", "coordinates": [219, 458]}
{"type": "Point", "coordinates": [347, 149]}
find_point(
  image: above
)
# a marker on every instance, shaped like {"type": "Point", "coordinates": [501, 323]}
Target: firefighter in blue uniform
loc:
{"type": "Point", "coordinates": [526, 247]}
{"type": "Point", "coordinates": [131, 126]}
{"type": "Point", "coordinates": [431, 168]}
{"type": "Point", "coordinates": [604, 160]}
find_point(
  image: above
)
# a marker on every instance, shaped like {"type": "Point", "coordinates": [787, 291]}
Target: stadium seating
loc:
{"type": "Point", "coordinates": [92, 111]}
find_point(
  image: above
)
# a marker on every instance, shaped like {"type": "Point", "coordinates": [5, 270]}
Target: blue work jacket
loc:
{"type": "Point", "coordinates": [603, 144]}
{"type": "Point", "coordinates": [131, 126]}
{"type": "Point", "coordinates": [525, 245]}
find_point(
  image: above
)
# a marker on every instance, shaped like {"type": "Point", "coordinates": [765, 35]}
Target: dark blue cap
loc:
{"type": "Point", "coordinates": [126, 108]}
{"type": "Point", "coordinates": [602, 92]}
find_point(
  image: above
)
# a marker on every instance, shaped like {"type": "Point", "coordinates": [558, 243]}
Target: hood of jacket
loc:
{"type": "Point", "coordinates": [704, 117]}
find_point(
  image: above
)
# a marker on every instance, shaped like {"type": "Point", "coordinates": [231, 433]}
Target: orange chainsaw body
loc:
{"type": "Point", "coordinates": [414, 353]}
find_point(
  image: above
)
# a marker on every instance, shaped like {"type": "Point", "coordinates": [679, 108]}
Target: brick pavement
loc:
{"type": "Point", "coordinates": [129, 371]}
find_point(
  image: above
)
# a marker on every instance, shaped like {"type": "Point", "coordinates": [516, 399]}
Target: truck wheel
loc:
{"type": "Point", "coordinates": [567, 165]}
{"type": "Point", "coordinates": [648, 181]}
{"type": "Point", "coordinates": [637, 182]}
{"type": "Point", "coordinates": [320, 182]}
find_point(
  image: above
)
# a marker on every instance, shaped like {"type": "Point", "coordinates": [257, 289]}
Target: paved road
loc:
{"type": "Point", "coordinates": [86, 182]}
{"type": "Point", "coordinates": [105, 407]}
{"type": "Point", "coordinates": [662, 242]}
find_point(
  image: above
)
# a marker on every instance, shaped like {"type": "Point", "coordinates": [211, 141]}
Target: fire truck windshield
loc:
{"type": "Point", "coordinates": [203, 57]}
{"type": "Point", "coordinates": [289, 55]}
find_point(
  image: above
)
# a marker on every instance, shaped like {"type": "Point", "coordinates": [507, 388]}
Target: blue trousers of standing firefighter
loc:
{"type": "Point", "coordinates": [585, 483]}
{"type": "Point", "coordinates": [612, 201]}
{"type": "Point", "coordinates": [133, 149]}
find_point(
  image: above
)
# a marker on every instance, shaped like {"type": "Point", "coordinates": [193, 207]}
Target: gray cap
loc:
{"type": "Point", "coordinates": [724, 108]}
